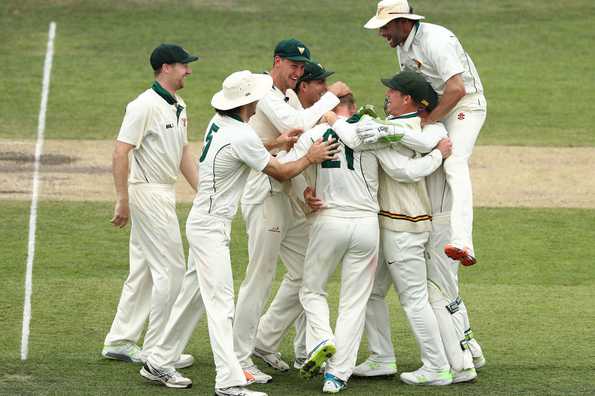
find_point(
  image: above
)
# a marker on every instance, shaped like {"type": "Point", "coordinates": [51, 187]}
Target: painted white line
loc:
{"type": "Point", "coordinates": [47, 71]}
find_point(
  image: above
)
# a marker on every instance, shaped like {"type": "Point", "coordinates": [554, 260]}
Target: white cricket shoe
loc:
{"type": "Point", "coordinates": [259, 376]}
{"type": "Point", "coordinates": [468, 375]}
{"type": "Point", "coordinates": [333, 384]}
{"type": "Point", "coordinates": [125, 351]}
{"type": "Point", "coordinates": [272, 359]}
{"type": "Point", "coordinates": [422, 376]}
{"type": "Point", "coordinates": [168, 377]}
{"type": "Point", "coordinates": [184, 361]}
{"type": "Point", "coordinates": [370, 368]}
{"type": "Point", "coordinates": [237, 391]}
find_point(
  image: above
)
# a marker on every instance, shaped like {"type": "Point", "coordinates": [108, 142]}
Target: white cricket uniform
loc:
{"type": "Point", "coordinates": [405, 228]}
{"type": "Point", "coordinates": [348, 186]}
{"type": "Point", "coordinates": [276, 227]}
{"type": "Point", "coordinates": [231, 148]}
{"type": "Point", "coordinates": [436, 53]}
{"type": "Point", "coordinates": [155, 123]}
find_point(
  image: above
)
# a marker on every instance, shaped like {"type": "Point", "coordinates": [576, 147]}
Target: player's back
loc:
{"type": "Point", "coordinates": [231, 148]}
{"type": "Point", "coordinates": [348, 185]}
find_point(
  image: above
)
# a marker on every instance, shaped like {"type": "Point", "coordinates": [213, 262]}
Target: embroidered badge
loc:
{"type": "Point", "coordinates": [461, 116]}
{"type": "Point", "coordinates": [184, 122]}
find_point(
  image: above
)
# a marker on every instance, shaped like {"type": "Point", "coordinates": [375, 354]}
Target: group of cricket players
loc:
{"type": "Point", "coordinates": [321, 182]}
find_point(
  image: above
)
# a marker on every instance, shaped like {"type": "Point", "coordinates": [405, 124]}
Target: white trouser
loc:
{"type": "Point", "coordinates": [443, 287]}
{"type": "Point", "coordinates": [354, 244]}
{"type": "Point", "coordinates": [185, 314]}
{"type": "Point", "coordinates": [275, 229]}
{"type": "Point", "coordinates": [463, 124]}
{"type": "Point", "coordinates": [156, 266]}
{"type": "Point", "coordinates": [378, 329]}
{"type": "Point", "coordinates": [300, 350]}
{"type": "Point", "coordinates": [404, 253]}
{"type": "Point", "coordinates": [208, 238]}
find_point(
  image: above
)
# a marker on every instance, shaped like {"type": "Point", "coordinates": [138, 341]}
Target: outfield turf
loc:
{"type": "Point", "coordinates": [533, 56]}
{"type": "Point", "coordinates": [530, 301]}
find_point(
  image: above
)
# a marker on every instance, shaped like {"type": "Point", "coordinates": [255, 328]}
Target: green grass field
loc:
{"type": "Point", "coordinates": [531, 298]}
{"type": "Point", "coordinates": [532, 311]}
{"type": "Point", "coordinates": [534, 58]}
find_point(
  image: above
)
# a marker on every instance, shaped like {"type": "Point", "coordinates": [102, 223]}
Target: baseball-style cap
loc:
{"type": "Point", "coordinates": [412, 83]}
{"type": "Point", "coordinates": [391, 9]}
{"type": "Point", "coordinates": [315, 71]}
{"type": "Point", "coordinates": [241, 88]}
{"type": "Point", "coordinates": [168, 54]}
{"type": "Point", "coordinates": [293, 49]}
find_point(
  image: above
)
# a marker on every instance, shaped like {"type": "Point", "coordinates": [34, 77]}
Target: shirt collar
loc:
{"type": "Point", "coordinates": [164, 93]}
{"type": "Point", "coordinates": [402, 116]}
{"type": "Point", "coordinates": [407, 44]}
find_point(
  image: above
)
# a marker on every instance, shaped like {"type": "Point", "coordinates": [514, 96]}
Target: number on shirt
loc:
{"type": "Point", "coordinates": [336, 163]}
{"type": "Point", "coordinates": [214, 128]}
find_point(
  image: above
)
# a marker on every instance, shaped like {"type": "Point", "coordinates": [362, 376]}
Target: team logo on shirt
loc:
{"type": "Point", "coordinates": [169, 126]}
{"type": "Point", "coordinates": [274, 229]}
{"type": "Point", "coordinates": [184, 122]}
{"type": "Point", "coordinates": [461, 116]}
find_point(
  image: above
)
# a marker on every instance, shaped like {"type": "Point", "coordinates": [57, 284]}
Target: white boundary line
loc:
{"type": "Point", "coordinates": [47, 71]}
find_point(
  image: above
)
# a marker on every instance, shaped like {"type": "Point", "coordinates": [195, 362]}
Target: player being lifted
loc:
{"type": "Point", "coordinates": [231, 149]}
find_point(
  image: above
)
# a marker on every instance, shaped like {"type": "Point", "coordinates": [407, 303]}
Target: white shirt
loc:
{"type": "Point", "coordinates": [437, 54]}
{"type": "Point", "coordinates": [231, 148]}
{"type": "Point", "coordinates": [274, 116]}
{"type": "Point", "coordinates": [348, 186]}
{"type": "Point", "coordinates": [158, 135]}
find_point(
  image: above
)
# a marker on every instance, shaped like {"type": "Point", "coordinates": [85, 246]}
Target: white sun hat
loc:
{"type": "Point", "coordinates": [241, 88]}
{"type": "Point", "coordinates": [389, 10]}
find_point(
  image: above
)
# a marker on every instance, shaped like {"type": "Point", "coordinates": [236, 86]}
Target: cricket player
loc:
{"type": "Point", "coordinates": [275, 221]}
{"type": "Point", "coordinates": [405, 227]}
{"type": "Point", "coordinates": [231, 148]}
{"type": "Point", "coordinates": [154, 136]}
{"type": "Point", "coordinates": [348, 192]}
{"type": "Point", "coordinates": [310, 87]}
{"type": "Point", "coordinates": [436, 53]}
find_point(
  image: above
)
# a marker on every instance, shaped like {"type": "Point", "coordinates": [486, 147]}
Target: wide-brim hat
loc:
{"type": "Point", "coordinates": [241, 88]}
{"type": "Point", "coordinates": [391, 9]}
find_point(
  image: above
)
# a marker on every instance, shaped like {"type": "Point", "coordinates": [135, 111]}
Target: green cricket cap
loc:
{"type": "Point", "coordinates": [314, 71]}
{"type": "Point", "coordinates": [413, 84]}
{"type": "Point", "coordinates": [293, 49]}
{"type": "Point", "coordinates": [169, 54]}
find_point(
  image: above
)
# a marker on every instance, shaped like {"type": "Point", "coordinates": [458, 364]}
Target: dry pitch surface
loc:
{"type": "Point", "coordinates": [503, 176]}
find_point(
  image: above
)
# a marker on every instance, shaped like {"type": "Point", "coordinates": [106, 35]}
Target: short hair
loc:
{"type": "Point", "coordinates": [235, 112]}
{"type": "Point", "coordinates": [347, 100]}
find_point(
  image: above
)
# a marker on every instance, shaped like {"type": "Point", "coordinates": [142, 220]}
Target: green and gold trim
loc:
{"type": "Point", "coordinates": [397, 216]}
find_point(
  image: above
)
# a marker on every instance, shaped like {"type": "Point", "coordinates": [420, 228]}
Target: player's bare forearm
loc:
{"type": "Point", "coordinates": [120, 173]}
{"type": "Point", "coordinates": [317, 153]}
{"type": "Point", "coordinates": [189, 168]}
{"type": "Point", "coordinates": [453, 92]}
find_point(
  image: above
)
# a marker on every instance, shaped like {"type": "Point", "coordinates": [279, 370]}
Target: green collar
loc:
{"type": "Point", "coordinates": [168, 98]}
{"type": "Point", "coordinates": [235, 117]}
{"type": "Point", "coordinates": [164, 93]}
